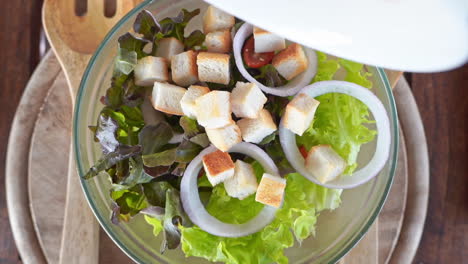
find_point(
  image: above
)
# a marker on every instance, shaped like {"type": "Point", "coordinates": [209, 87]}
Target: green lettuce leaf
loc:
{"type": "Point", "coordinates": [355, 74]}
{"type": "Point", "coordinates": [132, 94]}
{"type": "Point", "coordinates": [340, 120]}
{"type": "Point", "coordinates": [125, 61]}
{"type": "Point", "coordinates": [296, 219]}
{"type": "Point", "coordinates": [137, 174]}
{"type": "Point", "coordinates": [195, 39]}
{"type": "Point", "coordinates": [201, 140]}
{"type": "Point", "coordinates": [187, 151]}
{"type": "Point", "coordinates": [269, 76]}
{"type": "Point", "coordinates": [123, 152]}
{"type": "Point", "coordinates": [190, 126]}
{"type": "Point", "coordinates": [146, 24]}
{"type": "Point", "coordinates": [127, 203]}
{"type": "Point", "coordinates": [153, 137]}
{"type": "Point", "coordinates": [326, 68]}
{"type": "Point", "coordinates": [170, 222]}
{"type": "Point", "coordinates": [156, 223]}
{"type": "Point", "coordinates": [131, 43]}
{"type": "Point", "coordinates": [163, 158]}
{"type": "Point", "coordinates": [175, 26]}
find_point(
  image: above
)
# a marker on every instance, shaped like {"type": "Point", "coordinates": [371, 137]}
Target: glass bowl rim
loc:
{"type": "Point", "coordinates": [81, 171]}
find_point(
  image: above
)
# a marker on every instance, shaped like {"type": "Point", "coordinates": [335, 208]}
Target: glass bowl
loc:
{"type": "Point", "coordinates": [337, 231]}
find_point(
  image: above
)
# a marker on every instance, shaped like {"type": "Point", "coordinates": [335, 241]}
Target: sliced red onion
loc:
{"type": "Point", "coordinates": [293, 86]}
{"type": "Point", "coordinates": [382, 151]}
{"type": "Point", "coordinates": [197, 212]}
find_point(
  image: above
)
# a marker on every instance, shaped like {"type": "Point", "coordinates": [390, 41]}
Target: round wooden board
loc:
{"type": "Point", "coordinates": [49, 147]}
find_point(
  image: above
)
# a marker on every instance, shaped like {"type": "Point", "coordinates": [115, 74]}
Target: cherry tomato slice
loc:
{"type": "Point", "coordinates": [252, 59]}
{"type": "Point", "coordinates": [303, 151]}
{"type": "Point", "coordinates": [200, 173]}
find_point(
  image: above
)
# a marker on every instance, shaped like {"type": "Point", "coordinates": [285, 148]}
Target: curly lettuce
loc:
{"type": "Point", "coordinates": [340, 120]}
{"type": "Point", "coordinates": [295, 220]}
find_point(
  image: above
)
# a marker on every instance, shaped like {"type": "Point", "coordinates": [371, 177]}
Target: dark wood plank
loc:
{"type": "Point", "coordinates": [443, 103]}
{"type": "Point", "coordinates": [19, 35]}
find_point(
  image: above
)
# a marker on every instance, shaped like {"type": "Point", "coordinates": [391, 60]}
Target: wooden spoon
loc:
{"type": "Point", "coordinates": [73, 39]}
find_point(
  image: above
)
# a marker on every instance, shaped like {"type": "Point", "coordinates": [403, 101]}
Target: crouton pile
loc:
{"type": "Point", "coordinates": [179, 78]}
{"type": "Point", "coordinates": [240, 181]}
{"type": "Point", "coordinates": [289, 61]}
{"type": "Point", "coordinates": [179, 85]}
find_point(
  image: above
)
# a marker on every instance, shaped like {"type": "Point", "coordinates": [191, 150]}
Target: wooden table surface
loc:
{"type": "Point", "coordinates": [442, 99]}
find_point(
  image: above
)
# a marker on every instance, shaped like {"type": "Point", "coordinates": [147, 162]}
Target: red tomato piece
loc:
{"type": "Point", "coordinates": [255, 60]}
{"type": "Point", "coordinates": [303, 151]}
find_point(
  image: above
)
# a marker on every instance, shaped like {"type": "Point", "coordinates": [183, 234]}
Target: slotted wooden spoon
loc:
{"type": "Point", "coordinates": [73, 39]}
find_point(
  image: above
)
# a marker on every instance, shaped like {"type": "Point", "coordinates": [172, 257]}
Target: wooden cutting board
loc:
{"type": "Point", "coordinates": [46, 180]}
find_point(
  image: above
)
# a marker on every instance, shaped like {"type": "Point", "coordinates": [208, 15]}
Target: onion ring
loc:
{"type": "Point", "coordinates": [197, 212]}
{"type": "Point", "coordinates": [292, 87]}
{"type": "Point", "coordinates": [378, 161]}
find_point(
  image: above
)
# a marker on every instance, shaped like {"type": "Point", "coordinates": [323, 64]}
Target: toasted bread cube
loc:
{"type": "Point", "coordinates": [324, 163]}
{"type": "Point", "coordinates": [149, 70]}
{"type": "Point", "coordinates": [290, 62]}
{"type": "Point", "coordinates": [271, 190]}
{"type": "Point", "coordinates": [168, 47]}
{"type": "Point", "coordinates": [166, 98]}
{"type": "Point", "coordinates": [218, 166]}
{"type": "Point", "coordinates": [219, 41]}
{"type": "Point", "coordinates": [213, 67]}
{"type": "Point", "coordinates": [300, 113]}
{"type": "Point", "coordinates": [213, 110]}
{"type": "Point", "coordinates": [184, 68]}
{"type": "Point", "coordinates": [243, 183]}
{"type": "Point", "coordinates": [225, 137]}
{"type": "Point", "coordinates": [247, 100]}
{"type": "Point", "coordinates": [254, 130]}
{"type": "Point", "coordinates": [215, 20]}
{"type": "Point", "coordinates": [188, 101]}
{"type": "Point", "coordinates": [265, 41]}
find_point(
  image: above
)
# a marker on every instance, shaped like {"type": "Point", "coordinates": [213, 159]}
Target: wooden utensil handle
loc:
{"type": "Point", "coordinates": [80, 231]}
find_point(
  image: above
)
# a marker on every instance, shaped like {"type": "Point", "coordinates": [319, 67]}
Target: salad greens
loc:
{"type": "Point", "coordinates": [304, 200]}
{"type": "Point", "coordinates": [145, 166]}
{"type": "Point", "coordinates": [295, 220]}
{"type": "Point", "coordinates": [340, 119]}
{"type": "Point", "coordinates": [268, 76]}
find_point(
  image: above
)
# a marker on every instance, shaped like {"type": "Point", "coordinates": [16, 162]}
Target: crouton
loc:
{"type": "Point", "coordinates": [290, 62]}
{"type": "Point", "coordinates": [225, 137]}
{"type": "Point", "coordinates": [166, 98]}
{"type": "Point", "coordinates": [184, 68]}
{"type": "Point", "coordinates": [215, 20]}
{"type": "Point", "coordinates": [213, 110]}
{"type": "Point", "coordinates": [247, 100]}
{"type": "Point", "coordinates": [213, 67]}
{"type": "Point", "coordinates": [188, 101]}
{"type": "Point", "coordinates": [219, 41]}
{"type": "Point", "coordinates": [300, 113]}
{"type": "Point", "coordinates": [150, 69]}
{"type": "Point", "coordinates": [168, 47]}
{"type": "Point", "coordinates": [265, 41]}
{"type": "Point", "coordinates": [254, 130]}
{"type": "Point", "coordinates": [270, 191]}
{"type": "Point", "coordinates": [218, 166]}
{"type": "Point", "coordinates": [243, 183]}
{"type": "Point", "coordinates": [324, 163]}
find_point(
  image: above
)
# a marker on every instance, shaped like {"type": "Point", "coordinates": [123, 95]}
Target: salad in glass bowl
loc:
{"type": "Point", "coordinates": [227, 138]}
